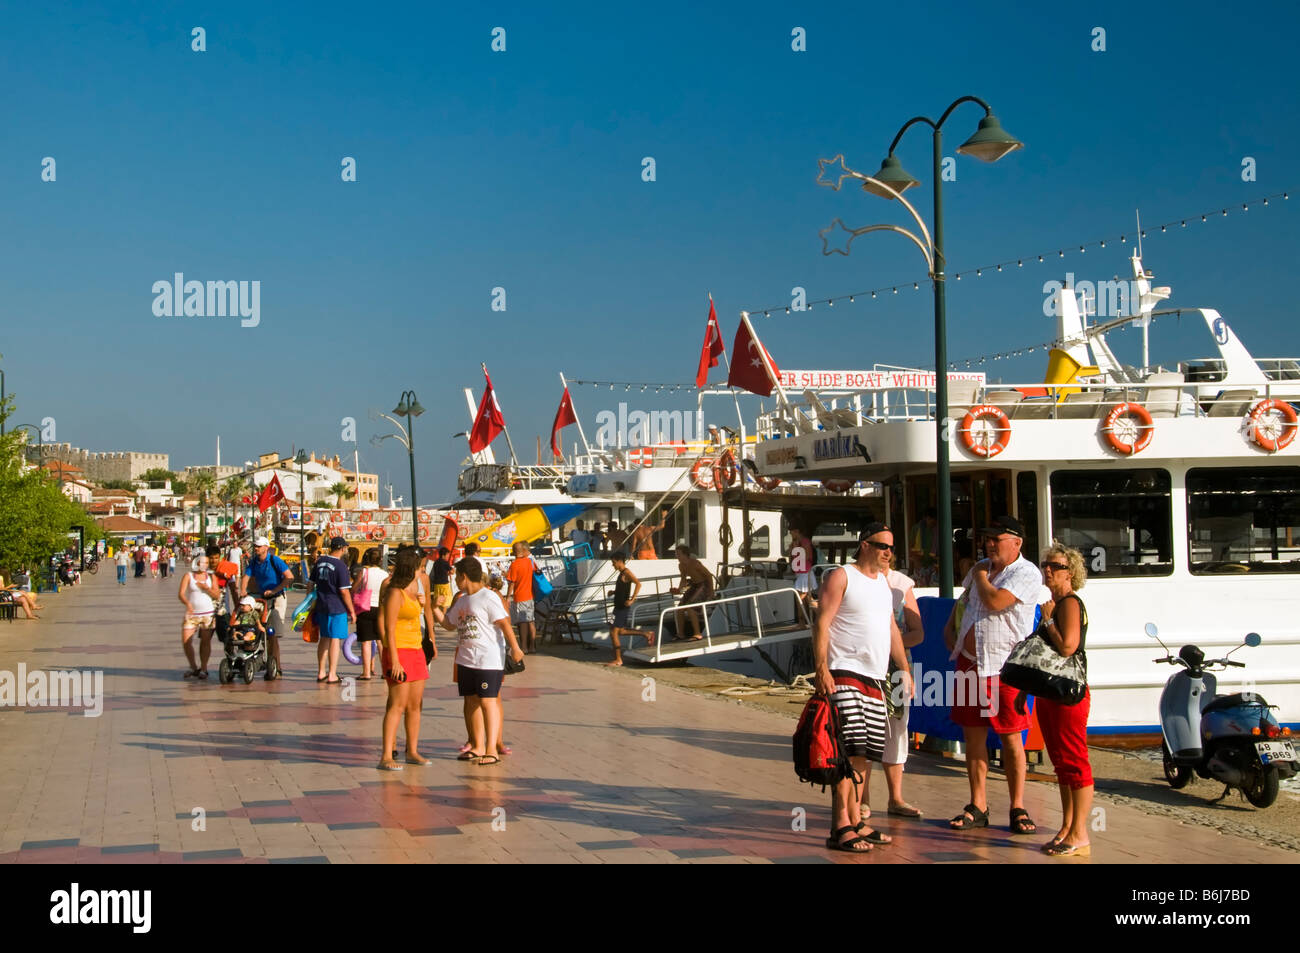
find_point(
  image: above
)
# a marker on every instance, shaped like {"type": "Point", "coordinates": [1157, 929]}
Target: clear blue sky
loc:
{"type": "Point", "coordinates": [522, 170]}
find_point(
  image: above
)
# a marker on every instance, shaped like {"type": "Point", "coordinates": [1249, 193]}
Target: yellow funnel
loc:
{"type": "Point", "coordinates": [1064, 369]}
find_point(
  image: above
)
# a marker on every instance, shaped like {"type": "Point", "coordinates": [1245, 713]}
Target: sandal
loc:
{"type": "Point", "coordinates": [1021, 822]}
{"type": "Point", "coordinates": [468, 756]}
{"type": "Point", "coordinates": [1071, 850]}
{"type": "Point", "coordinates": [903, 810]}
{"type": "Point", "coordinates": [1050, 845]}
{"type": "Point", "coordinates": [202, 675]}
{"type": "Point", "coordinates": [418, 760]}
{"type": "Point", "coordinates": [390, 766]}
{"type": "Point", "coordinates": [192, 673]}
{"type": "Point", "coordinates": [970, 818]}
{"type": "Point", "coordinates": [488, 760]}
{"type": "Point", "coordinates": [875, 837]}
{"type": "Point", "coordinates": [851, 846]}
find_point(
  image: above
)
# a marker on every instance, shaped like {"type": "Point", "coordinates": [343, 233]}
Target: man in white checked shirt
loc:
{"type": "Point", "coordinates": [853, 641]}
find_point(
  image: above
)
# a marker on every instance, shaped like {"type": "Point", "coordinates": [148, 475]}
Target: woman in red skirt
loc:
{"type": "Point", "coordinates": [403, 661]}
{"type": "Point", "coordinates": [1065, 727]}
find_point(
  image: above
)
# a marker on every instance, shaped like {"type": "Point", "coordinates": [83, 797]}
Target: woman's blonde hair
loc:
{"type": "Point", "coordinates": [1073, 558]}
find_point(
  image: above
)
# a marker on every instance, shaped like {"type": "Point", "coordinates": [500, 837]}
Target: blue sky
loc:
{"type": "Point", "coordinates": [522, 170]}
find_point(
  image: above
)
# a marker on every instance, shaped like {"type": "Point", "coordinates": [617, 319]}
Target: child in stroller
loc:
{"type": "Point", "coordinates": [246, 644]}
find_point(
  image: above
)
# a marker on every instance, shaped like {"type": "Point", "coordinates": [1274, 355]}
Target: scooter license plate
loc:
{"type": "Point", "coordinates": [1275, 751]}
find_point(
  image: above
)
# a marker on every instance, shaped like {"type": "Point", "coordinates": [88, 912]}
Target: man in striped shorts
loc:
{"type": "Point", "coordinates": [853, 641]}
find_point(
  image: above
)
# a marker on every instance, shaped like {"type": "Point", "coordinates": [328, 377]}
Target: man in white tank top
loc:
{"type": "Point", "coordinates": [854, 638]}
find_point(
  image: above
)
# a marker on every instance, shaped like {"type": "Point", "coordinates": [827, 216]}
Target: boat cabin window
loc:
{"type": "Point", "coordinates": [760, 544]}
{"type": "Point", "coordinates": [1244, 520]}
{"type": "Point", "coordinates": [1119, 519]}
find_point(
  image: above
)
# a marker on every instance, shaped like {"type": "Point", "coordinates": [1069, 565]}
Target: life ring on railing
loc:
{"type": "Point", "coordinates": [767, 483]}
{"type": "Point", "coordinates": [724, 472]}
{"type": "Point", "coordinates": [702, 473]}
{"type": "Point", "coordinates": [838, 486]}
{"type": "Point", "coordinates": [378, 533]}
{"type": "Point", "coordinates": [983, 446]}
{"type": "Point", "coordinates": [394, 517]}
{"type": "Point", "coordinates": [424, 532]}
{"type": "Point", "coordinates": [1142, 431]}
{"type": "Point", "coordinates": [1272, 431]}
{"type": "Point", "coordinates": [424, 516]}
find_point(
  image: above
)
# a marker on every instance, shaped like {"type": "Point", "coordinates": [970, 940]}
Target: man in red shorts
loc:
{"type": "Point", "coordinates": [997, 611]}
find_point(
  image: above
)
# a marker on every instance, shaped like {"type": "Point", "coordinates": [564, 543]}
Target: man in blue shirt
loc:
{"type": "Point", "coordinates": [332, 584]}
{"type": "Point", "coordinates": [267, 577]}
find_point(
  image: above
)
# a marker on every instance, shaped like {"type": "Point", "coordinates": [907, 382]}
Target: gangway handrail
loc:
{"type": "Point", "coordinates": [709, 603]}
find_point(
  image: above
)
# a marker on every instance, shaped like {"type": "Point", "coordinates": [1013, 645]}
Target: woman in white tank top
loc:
{"type": "Point", "coordinates": [197, 593]}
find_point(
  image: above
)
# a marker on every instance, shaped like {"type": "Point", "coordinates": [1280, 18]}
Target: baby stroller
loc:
{"type": "Point", "coordinates": [245, 646]}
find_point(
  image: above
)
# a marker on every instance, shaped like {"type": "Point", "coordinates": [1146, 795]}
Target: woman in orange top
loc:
{"type": "Point", "coordinates": [403, 659]}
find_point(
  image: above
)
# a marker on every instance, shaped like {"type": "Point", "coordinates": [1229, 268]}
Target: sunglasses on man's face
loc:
{"type": "Point", "coordinates": [883, 547]}
{"type": "Point", "coordinates": [1055, 567]}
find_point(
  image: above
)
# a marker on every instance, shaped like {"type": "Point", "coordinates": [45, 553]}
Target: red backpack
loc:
{"type": "Point", "coordinates": [819, 756]}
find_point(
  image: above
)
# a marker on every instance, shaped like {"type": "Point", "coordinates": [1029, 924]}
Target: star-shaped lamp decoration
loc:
{"type": "Point", "coordinates": [838, 171]}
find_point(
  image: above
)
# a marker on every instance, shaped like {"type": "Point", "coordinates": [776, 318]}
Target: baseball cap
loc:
{"type": "Point", "coordinates": [871, 529]}
{"type": "Point", "coordinates": [338, 542]}
{"type": "Point", "coordinates": [1005, 524]}
{"type": "Point", "coordinates": [261, 541]}
{"type": "Point", "coordinates": [248, 601]}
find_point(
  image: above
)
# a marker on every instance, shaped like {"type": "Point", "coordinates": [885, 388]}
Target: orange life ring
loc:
{"type": "Point", "coordinates": [838, 486]}
{"type": "Point", "coordinates": [767, 483]}
{"type": "Point", "coordinates": [394, 517]}
{"type": "Point", "coordinates": [424, 517]}
{"type": "Point", "coordinates": [702, 473]}
{"type": "Point", "coordinates": [424, 532]}
{"type": "Point", "coordinates": [724, 471]}
{"type": "Point", "coordinates": [377, 533]}
{"type": "Point", "coordinates": [1261, 417]}
{"type": "Point", "coordinates": [1144, 428]}
{"type": "Point", "coordinates": [983, 447]}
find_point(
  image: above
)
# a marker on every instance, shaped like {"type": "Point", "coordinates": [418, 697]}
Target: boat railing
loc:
{"type": "Point", "coordinates": [739, 613]}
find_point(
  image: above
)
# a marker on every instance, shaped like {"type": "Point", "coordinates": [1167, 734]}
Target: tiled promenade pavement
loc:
{"type": "Point", "coordinates": [285, 771]}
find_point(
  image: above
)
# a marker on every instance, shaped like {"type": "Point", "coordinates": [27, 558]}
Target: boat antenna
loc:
{"type": "Point", "coordinates": [1138, 213]}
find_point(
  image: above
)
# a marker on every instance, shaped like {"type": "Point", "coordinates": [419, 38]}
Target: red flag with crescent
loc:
{"type": "Point", "coordinates": [488, 422]}
{"type": "Point", "coordinates": [751, 366]}
{"type": "Point", "coordinates": [271, 494]}
{"type": "Point", "coordinates": [563, 417]}
{"type": "Point", "coordinates": [713, 347]}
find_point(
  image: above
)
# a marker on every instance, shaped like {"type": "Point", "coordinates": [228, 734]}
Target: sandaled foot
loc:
{"type": "Point", "coordinates": [504, 749]}
{"type": "Point", "coordinates": [970, 818]}
{"type": "Point", "coordinates": [872, 836]}
{"type": "Point", "coordinates": [847, 840]}
{"type": "Point", "coordinates": [488, 760]}
{"type": "Point", "coordinates": [903, 810]}
{"type": "Point", "coordinates": [417, 759]}
{"type": "Point", "coordinates": [468, 756]}
{"type": "Point", "coordinates": [389, 765]}
{"type": "Point", "coordinates": [1048, 847]}
{"type": "Point", "coordinates": [192, 673]}
{"type": "Point", "coordinates": [202, 675]}
{"type": "Point", "coordinates": [465, 747]}
{"type": "Point", "coordinates": [1071, 850]}
{"type": "Point", "coordinates": [1021, 822]}
{"type": "Point", "coordinates": [865, 808]}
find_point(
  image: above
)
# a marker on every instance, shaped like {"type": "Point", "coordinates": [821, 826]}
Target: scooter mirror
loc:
{"type": "Point", "coordinates": [1253, 639]}
{"type": "Point", "coordinates": [1152, 631]}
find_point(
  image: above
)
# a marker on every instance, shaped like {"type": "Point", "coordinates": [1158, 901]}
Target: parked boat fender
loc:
{"type": "Point", "coordinates": [702, 473]}
{"type": "Point", "coordinates": [1264, 424]}
{"type": "Point", "coordinates": [724, 471]}
{"type": "Point", "coordinates": [1145, 428]}
{"type": "Point", "coordinates": [1002, 427]}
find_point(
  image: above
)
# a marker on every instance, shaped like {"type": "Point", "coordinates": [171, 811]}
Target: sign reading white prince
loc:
{"type": "Point", "coordinates": [216, 299]}
{"type": "Point", "coordinates": [865, 380]}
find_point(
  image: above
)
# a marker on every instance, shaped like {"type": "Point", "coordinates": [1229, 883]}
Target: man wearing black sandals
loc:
{"type": "Point", "coordinates": [996, 612]}
{"type": "Point", "coordinates": [853, 641]}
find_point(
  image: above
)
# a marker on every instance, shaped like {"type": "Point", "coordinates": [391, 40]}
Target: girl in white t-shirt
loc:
{"type": "Point", "coordinates": [365, 597]}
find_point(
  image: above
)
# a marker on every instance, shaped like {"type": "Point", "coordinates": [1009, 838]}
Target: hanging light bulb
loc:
{"type": "Point", "coordinates": [1225, 213]}
{"type": "Point", "coordinates": [1040, 259]}
{"type": "Point", "coordinates": [1202, 218]}
{"type": "Point", "coordinates": [1162, 229]}
{"type": "Point", "coordinates": [1183, 223]}
{"type": "Point", "coordinates": [850, 299]}
{"type": "Point", "coordinates": [916, 286]}
{"type": "Point", "coordinates": [1103, 243]}
{"type": "Point", "coordinates": [1265, 201]}
{"type": "Point", "coordinates": [999, 267]}
{"type": "Point", "coordinates": [1080, 249]}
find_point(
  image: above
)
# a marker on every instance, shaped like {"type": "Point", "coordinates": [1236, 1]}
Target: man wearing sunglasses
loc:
{"type": "Point", "coordinates": [1001, 593]}
{"type": "Point", "coordinates": [854, 638]}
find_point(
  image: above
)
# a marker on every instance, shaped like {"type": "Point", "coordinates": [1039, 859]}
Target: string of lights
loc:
{"type": "Point", "coordinates": [631, 385]}
{"type": "Point", "coordinates": [1056, 253]}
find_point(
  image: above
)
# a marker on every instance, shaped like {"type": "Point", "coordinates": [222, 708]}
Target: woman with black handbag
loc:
{"type": "Point", "coordinates": [1065, 726]}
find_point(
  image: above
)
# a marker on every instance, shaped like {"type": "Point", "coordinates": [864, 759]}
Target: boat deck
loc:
{"type": "Point", "coordinates": [608, 767]}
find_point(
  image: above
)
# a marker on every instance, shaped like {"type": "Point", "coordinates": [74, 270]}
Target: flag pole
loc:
{"type": "Point", "coordinates": [776, 378]}
{"type": "Point", "coordinates": [735, 399]}
{"type": "Point", "coordinates": [504, 429]}
{"type": "Point", "coordinates": [578, 420]}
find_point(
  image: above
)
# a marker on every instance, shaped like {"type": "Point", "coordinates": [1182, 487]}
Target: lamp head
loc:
{"type": "Point", "coordinates": [893, 175]}
{"type": "Point", "coordinates": [402, 409]}
{"type": "Point", "coordinates": [414, 408]}
{"type": "Point", "coordinates": [300, 458]}
{"type": "Point", "coordinates": [991, 142]}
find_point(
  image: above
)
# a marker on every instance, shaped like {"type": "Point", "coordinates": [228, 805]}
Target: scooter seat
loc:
{"type": "Point", "coordinates": [1234, 701]}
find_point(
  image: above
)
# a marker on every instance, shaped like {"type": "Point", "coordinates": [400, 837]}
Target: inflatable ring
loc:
{"type": "Point", "coordinates": [350, 649]}
{"type": "Point", "coordinates": [378, 533]}
{"type": "Point", "coordinates": [424, 516]}
{"type": "Point", "coordinates": [702, 473]}
{"type": "Point", "coordinates": [838, 486]}
{"type": "Point", "coordinates": [984, 446]}
{"type": "Point", "coordinates": [724, 472]}
{"type": "Point", "coordinates": [394, 517]}
{"type": "Point", "coordinates": [1144, 428]}
{"type": "Point", "coordinates": [767, 483]}
{"type": "Point", "coordinates": [424, 532]}
{"type": "Point", "coordinates": [1273, 431]}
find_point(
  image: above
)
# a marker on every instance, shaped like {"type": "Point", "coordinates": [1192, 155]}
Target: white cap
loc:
{"type": "Point", "coordinates": [261, 541]}
{"type": "Point", "coordinates": [248, 601]}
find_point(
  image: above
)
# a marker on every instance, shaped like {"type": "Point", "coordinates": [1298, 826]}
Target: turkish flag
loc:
{"type": "Point", "coordinates": [563, 417]}
{"type": "Point", "coordinates": [488, 422]}
{"type": "Point", "coordinates": [713, 347]}
{"type": "Point", "coordinates": [751, 366]}
{"type": "Point", "coordinates": [271, 494]}
{"type": "Point", "coordinates": [248, 499]}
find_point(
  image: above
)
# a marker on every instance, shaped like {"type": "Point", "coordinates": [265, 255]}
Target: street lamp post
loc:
{"type": "Point", "coordinates": [40, 445]}
{"type": "Point", "coordinates": [989, 144]}
{"type": "Point", "coordinates": [301, 459]}
{"type": "Point", "coordinates": [408, 407]}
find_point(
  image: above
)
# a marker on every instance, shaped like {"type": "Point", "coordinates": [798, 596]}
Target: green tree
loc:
{"type": "Point", "coordinates": [157, 475]}
{"type": "Point", "coordinates": [343, 492]}
{"type": "Point", "coordinates": [204, 484]}
{"type": "Point", "coordinates": [118, 485]}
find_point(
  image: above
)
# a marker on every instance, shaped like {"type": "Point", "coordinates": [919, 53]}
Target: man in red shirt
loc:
{"type": "Point", "coordinates": [520, 594]}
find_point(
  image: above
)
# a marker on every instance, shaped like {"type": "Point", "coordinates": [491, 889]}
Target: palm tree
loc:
{"type": "Point", "coordinates": [203, 483]}
{"type": "Point", "coordinates": [343, 492]}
